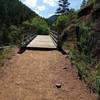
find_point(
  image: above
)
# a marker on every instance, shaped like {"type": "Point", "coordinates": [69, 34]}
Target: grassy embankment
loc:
{"type": "Point", "coordinates": [6, 54]}
{"type": "Point", "coordinates": [88, 68]}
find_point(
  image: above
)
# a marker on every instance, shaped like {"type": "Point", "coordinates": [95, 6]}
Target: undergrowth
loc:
{"type": "Point", "coordinates": [6, 54]}
{"type": "Point", "coordinates": [88, 70]}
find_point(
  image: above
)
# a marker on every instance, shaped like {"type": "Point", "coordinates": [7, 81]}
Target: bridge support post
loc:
{"type": "Point", "coordinates": [59, 44]}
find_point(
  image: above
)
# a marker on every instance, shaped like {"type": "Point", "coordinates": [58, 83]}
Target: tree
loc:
{"type": "Point", "coordinates": [91, 1]}
{"type": "Point", "coordinates": [39, 24]}
{"type": "Point", "coordinates": [12, 13]}
{"type": "Point", "coordinates": [63, 7]}
{"type": "Point", "coordinates": [84, 2]}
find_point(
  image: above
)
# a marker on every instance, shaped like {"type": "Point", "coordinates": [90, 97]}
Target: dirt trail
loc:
{"type": "Point", "coordinates": [33, 75]}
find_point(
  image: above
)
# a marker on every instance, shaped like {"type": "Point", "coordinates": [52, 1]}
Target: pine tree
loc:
{"type": "Point", "coordinates": [84, 2]}
{"type": "Point", "coordinates": [63, 7]}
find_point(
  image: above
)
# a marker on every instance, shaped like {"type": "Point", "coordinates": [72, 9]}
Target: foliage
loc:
{"type": "Point", "coordinates": [90, 1]}
{"type": "Point", "coordinates": [85, 43]}
{"type": "Point", "coordinates": [63, 7]}
{"type": "Point", "coordinates": [98, 84]}
{"type": "Point", "coordinates": [51, 19]}
{"type": "Point", "coordinates": [10, 36]}
{"type": "Point", "coordinates": [40, 25]}
{"type": "Point", "coordinates": [6, 54]}
{"type": "Point", "coordinates": [90, 75]}
{"type": "Point", "coordinates": [64, 21]}
{"type": "Point", "coordinates": [60, 23]}
{"type": "Point", "coordinates": [14, 33]}
{"type": "Point", "coordinates": [13, 12]}
{"type": "Point", "coordinates": [84, 3]}
{"type": "Point", "coordinates": [4, 38]}
{"type": "Point", "coordinates": [85, 56]}
{"type": "Point", "coordinates": [96, 9]}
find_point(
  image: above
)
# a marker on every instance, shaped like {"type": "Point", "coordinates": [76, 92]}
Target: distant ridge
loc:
{"type": "Point", "coordinates": [52, 19]}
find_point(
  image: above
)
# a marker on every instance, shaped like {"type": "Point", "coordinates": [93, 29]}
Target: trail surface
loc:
{"type": "Point", "coordinates": [33, 75]}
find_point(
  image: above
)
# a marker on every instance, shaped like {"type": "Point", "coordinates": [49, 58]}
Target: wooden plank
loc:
{"type": "Point", "coordinates": [42, 41]}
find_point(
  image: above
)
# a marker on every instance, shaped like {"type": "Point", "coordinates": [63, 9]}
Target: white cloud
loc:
{"type": "Point", "coordinates": [50, 2]}
{"type": "Point", "coordinates": [30, 3]}
{"type": "Point", "coordinates": [41, 8]}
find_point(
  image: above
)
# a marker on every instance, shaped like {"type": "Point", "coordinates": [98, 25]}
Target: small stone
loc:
{"type": "Point", "coordinates": [64, 68]}
{"type": "Point", "coordinates": [72, 63]}
{"type": "Point", "coordinates": [67, 52]}
{"type": "Point", "coordinates": [66, 56]}
{"type": "Point", "coordinates": [58, 85]}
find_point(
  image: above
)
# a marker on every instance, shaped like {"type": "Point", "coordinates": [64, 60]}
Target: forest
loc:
{"type": "Point", "coordinates": [13, 15]}
{"type": "Point", "coordinates": [79, 33]}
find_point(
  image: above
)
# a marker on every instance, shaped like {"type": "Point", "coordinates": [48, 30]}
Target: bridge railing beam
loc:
{"type": "Point", "coordinates": [56, 38]}
{"type": "Point", "coordinates": [26, 38]}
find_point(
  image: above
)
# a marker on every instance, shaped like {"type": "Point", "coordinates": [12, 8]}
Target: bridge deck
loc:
{"type": "Point", "coordinates": [42, 41]}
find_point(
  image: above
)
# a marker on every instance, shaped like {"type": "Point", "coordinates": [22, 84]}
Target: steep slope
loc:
{"type": "Point", "coordinates": [51, 19]}
{"type": "Point", "coordinates": [14, 12]}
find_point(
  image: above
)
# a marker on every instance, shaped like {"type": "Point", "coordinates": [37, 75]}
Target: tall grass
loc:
{"type": "Point", "coordinates": [6, 54]}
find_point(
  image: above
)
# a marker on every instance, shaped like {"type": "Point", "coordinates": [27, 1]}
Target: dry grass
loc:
{"type": "Point", "coordinates": [6, 54]}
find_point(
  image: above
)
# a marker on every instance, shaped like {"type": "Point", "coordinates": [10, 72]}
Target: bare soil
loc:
{"type": "Point", "coordinates": [34, 75]}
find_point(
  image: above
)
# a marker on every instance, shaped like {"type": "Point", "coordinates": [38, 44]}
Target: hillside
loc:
{"type": "Point", "coordinates": [51, 19]}
{"type": "Point", "coordinates": [13, 12]}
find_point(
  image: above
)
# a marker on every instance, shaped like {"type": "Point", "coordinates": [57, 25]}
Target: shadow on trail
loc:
{"type": "Point", "coordinates": [22, 50]}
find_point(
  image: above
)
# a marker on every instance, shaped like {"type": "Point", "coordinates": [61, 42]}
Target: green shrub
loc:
{"type": "Point", "coordinates": [14, 34]}
{"type": "Point", "coordinates": [10, 36]}
{"type": "Point", "coordinates": [85, 43]}
{"type": "Point", "coordinates": [38, 25]}
{"type": "Point", "coordinates": [81, 66]}
{"type": "Point", "coordinates": [1, 38]}
{"type": "Point", "coordinates": [6, 54]}
{"type": "Point", "coordinates": [41, 25]}
{"type": "Point", "coordinates": [4, 38]}
{"type": "Point", "coordinates": [60, 23]}
{"type": "Point", "coordinates": [98, 84]}
{"type": "Point", "coordinates": [64, 21]}
{"type": "Point", "coordinates": [91, 75]}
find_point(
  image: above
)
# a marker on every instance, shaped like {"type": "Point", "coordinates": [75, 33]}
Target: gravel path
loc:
{"type": "Point", "coordinates": [34, 75]}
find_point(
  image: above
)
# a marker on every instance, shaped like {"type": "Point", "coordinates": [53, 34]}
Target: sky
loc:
{"type": "Point", "coordinates": [47, 8]}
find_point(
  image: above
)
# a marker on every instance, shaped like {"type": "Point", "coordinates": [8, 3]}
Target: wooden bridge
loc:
{"type": "Point", "coordinates": [42, 41]}
{"type": "Point", "coordinates": [32, 40]}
